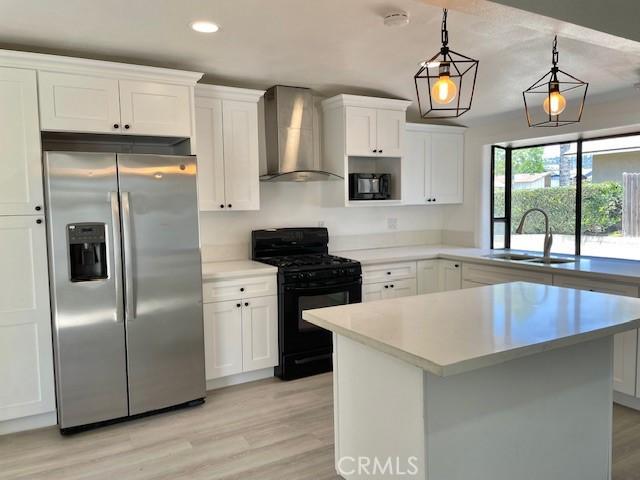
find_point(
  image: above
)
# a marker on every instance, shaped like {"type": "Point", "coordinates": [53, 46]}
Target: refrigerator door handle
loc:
{"type": "Point", "coordinates": [117, 255]}
{"type": "Point", "coordinates": [128, 258]}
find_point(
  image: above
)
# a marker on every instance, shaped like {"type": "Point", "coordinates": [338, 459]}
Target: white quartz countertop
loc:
{"type": "Point", "coordinates": [236, 269]}
{"type": "Point", "coordinates": [462, 330]}
{"type": "Point", "coordinates": [606, 269]}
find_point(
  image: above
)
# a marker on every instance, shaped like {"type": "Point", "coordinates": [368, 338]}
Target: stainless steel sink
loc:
{"type": "Point", "coordinates": [520, 257]}
{"type": "Point", "coordinates": [550, 261]}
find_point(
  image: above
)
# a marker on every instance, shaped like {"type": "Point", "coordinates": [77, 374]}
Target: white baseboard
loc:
{"type": "Point", "coordinates": [626, 400]}
{"type": "Point", "coordinates": [245, 377]}
{"type": "Point", "coordinates": [28, 423]}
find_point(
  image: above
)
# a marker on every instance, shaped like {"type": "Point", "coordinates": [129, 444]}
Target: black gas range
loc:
{"type": "Point", "coordinates": [308, 277]}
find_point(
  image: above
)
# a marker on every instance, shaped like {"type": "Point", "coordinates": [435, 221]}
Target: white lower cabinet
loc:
{"type": "Point", "coordinates": [477, 275]}
{"type": "Point", "coordinates": [439, 276]}
{"type": "Point", "coordinates": [241, 334]}
{"type": "Point", "coordinates": [625, 345]}
{"type": "Point", "coordinates": [26, 357]}
{"type": "Point", "coordinates": [259, 333]}
{"type": "Point", "coordinates": [393, 289]}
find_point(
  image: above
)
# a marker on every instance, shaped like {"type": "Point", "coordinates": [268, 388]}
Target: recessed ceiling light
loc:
{"type": "Point", "coordinates": [204, 27]}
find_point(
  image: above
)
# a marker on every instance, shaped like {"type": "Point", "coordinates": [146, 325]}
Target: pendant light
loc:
{"type": "Point", "coordinates": [445, 83]}
{"type": "Point", "coordinates": [556, 99]}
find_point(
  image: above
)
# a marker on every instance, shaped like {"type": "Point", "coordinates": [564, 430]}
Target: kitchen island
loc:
{"type": "Point", "coordinates": [503, 382]}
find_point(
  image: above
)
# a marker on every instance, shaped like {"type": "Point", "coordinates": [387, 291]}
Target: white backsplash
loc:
{"type": "Point", "coordinates": [227, 235]}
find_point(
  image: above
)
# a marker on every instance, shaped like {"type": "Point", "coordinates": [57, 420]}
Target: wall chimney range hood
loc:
{"type": "Point", "coordinates": [289, 136]}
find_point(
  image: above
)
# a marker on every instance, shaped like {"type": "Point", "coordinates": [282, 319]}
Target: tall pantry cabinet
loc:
{"type": "Point", "coordinates": [26, 359]}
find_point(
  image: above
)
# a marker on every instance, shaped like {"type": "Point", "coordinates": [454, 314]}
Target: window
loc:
{"type": "Point", "coordinates": [590, 190]}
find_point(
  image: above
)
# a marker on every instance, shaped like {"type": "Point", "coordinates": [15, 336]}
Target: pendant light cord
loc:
{"type": "Point", "coordinates": [554, 53]}
{"type": "Point", "coordinates": [444, 34]}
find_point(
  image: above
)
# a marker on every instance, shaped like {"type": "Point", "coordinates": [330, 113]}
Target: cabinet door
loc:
{"type": "Point", "coordinates": [450, 275]}
{"type": "Point", "coordinates": [26, 358]}
{"type": "Point", "coordinates": [390, 132]}
{"type": "Point", "coordinates": [78, 103]}
{"type": "Point", "coordinates": [625, 345]}
{"type": "Point", "coordinates": [150, 108]}
{"type": "Point", "coordinates": [401, 288]}
{"type": "Point", "coordinates": [446, 167]}
{"type": "Point", "coordinates": [413, 168]}
{"type": "Point", "coordinates": [428, 276]}
{"type": "Point", "coordinates": [372, 292]}
{"type": "Point", "coordinates": [210, 154]}
{"type": "Point", "coordinates": [241, 167]}
{"type": "Point", "coordinates": [260, 333]}
{"type": "Point", "coordinates": [222, 338]}
{"type": "Point", "coordinates": [361, 131]}
{"type": "Point", "coordinates": [20, 159]}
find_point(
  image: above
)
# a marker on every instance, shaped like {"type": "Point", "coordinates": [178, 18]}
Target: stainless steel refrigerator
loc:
{"type": "Point", "coordinates": [126, 284]}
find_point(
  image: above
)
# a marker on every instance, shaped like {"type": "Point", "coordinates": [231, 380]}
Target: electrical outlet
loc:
{"type": "Point", "coordinates": [392, 223]}
{"type": "Point", "coordinates": [321, 223]}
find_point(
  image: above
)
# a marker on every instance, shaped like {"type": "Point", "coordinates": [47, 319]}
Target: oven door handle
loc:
{"type": "Point", "coordinates": [339, 286]}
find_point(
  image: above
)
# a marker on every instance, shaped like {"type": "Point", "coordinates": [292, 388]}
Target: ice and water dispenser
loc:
{"type": "Point", "coordinates": [87, 251]}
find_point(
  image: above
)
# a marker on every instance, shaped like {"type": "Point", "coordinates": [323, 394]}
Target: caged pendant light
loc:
{"type": "Point", "coordinates": [556, 99]}
{"type": "Point", "coordinates": [446, 82]}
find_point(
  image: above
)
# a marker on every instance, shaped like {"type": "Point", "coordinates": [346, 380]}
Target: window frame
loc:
{"type": "Point", "coordinates": [509, 191]}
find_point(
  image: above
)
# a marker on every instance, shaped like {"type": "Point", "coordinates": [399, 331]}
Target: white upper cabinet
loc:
{"type": "Point", "coordinates": [148, 103]}
{"type": "Point", "coordinates": [227, 149]}
{"type": "Point", "coordinates": [446, 167]}
{"type": "Point", "coordinates": [432, 167]}
{"type": "Point", "coordinates": [79, 103]}
{"type": "Point", "coordinates": [241, 163]}
{"type": "Point", "coordinates": [20, 159]}
{"type": "Point", "coordinates": [26, 357]}
{"type": "Point", "coordinates": [210, 154]}
{"type": "Point", "coordinates": [361, 131]}
{"type": "Point", "coordinates": [390, 132]}
{"type": "Point", "coordinates": [148, 108]}
{"type": "Point", "coordinates": [362, 127]}
{"type": "Point", "coordinates": [374, 132]}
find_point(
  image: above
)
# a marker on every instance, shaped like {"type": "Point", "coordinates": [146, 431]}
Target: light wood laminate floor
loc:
{"type": "Point", "coordinates": [263, 430]}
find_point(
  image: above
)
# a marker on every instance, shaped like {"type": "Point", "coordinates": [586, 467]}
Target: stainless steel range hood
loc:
{"type": "Point", "coordinates": [289, 136]}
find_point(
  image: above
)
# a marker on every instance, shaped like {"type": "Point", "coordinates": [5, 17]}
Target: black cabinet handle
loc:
{"type": "Point", "coordinates": [115, 125]}
{"type": "Point", "coordinates": [386, 286]}
{"type": "Point", "coordinates": [428, 199]}
{"type": "Point", "coordinates": [246, 304]}
{"type": "Point", "coordinates": [375, 151]}
{"type": "Point", "coordinates": [126, 127]}
{"type": "Point", "coordinates": [38, 208]}
{"type": "Point", "coordinates": [379, 151]}
{"type": "Point", "coordinates": [391, 285]}
{"type": "Point", "coordinates": [39, 221]}
{"type": "Point", "coordinates": [238, 305]}
{"type": "Point", "coordinates": [456, 265]}
{"type": "Point", "coordinates": [388, 273]}
{"type": "Point", "coordinates": [221, 206]}
{"type": "Point", "coordinates": [229, 205]}
{"type": "Point", "coordinates": [242, 289]}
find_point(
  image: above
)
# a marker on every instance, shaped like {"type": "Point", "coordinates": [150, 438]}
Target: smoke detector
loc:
{"type": "Point", "coordinates": [398, 18]}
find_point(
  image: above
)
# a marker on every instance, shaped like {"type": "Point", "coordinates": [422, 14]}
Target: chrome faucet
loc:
{"type": "Point", "coordinates": [548, 236]}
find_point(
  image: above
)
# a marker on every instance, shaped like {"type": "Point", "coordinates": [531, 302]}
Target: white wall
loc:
{"type": "Point", "coordinates": [291, 204]}
{"type": "Point", "coordinates": [620, 115]}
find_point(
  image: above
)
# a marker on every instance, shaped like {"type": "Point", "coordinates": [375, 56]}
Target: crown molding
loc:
{"type": "Point", "coordinates": [83, 66]}
{"type": "Point", "coordinates": [204, 90]}
{"type": "Point", "coordinates": [344, 100]}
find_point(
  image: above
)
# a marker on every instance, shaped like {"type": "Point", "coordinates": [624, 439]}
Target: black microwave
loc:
{"type": "Point", "coordinates": [369, 186]}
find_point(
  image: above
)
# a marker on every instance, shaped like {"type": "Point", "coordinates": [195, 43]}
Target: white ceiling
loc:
{"type": "Point", "coordinates": [331, 46]}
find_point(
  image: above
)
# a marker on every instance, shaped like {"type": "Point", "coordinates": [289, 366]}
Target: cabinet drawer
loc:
{"type": "Point", "coordinates": [495, 275]}
{"type": "Point", "coordinates": [596, 286]}
{"type": "Point", "coordinates": [392, 289]}
{"type": "Point", "coordinates": [239, 288]}
{"type": "Point", "coordinates": [388, 271]}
